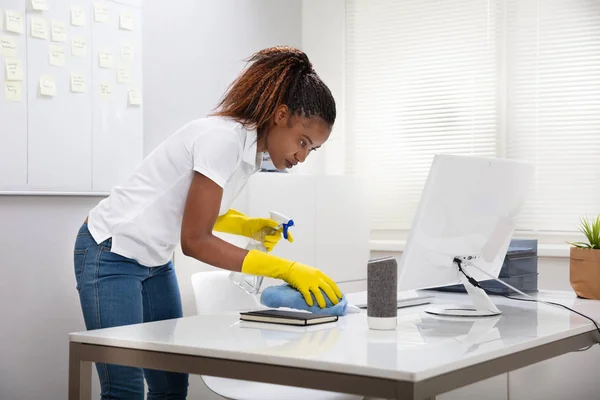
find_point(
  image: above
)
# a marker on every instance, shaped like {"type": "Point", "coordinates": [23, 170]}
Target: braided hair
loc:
{"type": "Point", "coordinates": [277, 76]}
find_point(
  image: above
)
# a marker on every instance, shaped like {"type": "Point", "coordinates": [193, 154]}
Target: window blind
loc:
{"type": "Point", "coordinates": [553, 107]}
{"type": "Point", "coordinates": [514, 78]}
{"type": "Point", "coordinates": [421, 79]}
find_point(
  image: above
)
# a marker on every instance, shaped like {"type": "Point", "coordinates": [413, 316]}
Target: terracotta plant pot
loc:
{"type": "Point", "coordinates": [584, 272]}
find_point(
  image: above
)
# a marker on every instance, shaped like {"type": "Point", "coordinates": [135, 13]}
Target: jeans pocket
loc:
{"type": "Point", "coordinates": [79, 261]}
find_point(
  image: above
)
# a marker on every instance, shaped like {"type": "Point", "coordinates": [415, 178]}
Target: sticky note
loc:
{"type": "Point", "coordinates": [123, 74]}
{"type": "Point", "coordinates": [47, 85]}
{"type": "Point", "coordinates": [105, 59]}
{"type": "Point", "coordinates": [77, 16]}
{"type": "Point", "coordinates": [14, 21]}
{"type": "Point", "coordinates": [106, 91]}
{"type": "Point", "coordinates": [8, 46]}
{"type": "Point", "coordinates": [77, 83]}
{"type": "Point", "coordinates": [56, 55]}
{"type": "Point", "coordinates": [127, 51]}
{"type": "Point", "coordinates": [39, 5]}
{"type": "Point", "coordinates": [59, 31]}
{"type": "Point", "coordinates": [78, 47]}
{"type": "Point", "coordinates": [100, 13]}
{"type": "Point", "coordinates": [13, 69]}
{"type": "Point", "coordinates": [1, 20]}
{"type": "Point", "coordinates": [126, 20]}
{"type": "Point", "coordinates": [39, 28]}
{"type": "Point", "coordinates": [134, 97]}
{"type": "Point", "coordinates": [13, 91]}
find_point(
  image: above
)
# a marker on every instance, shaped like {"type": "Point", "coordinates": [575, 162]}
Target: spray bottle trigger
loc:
{"type": "Point", "coordinates": [287, 225]}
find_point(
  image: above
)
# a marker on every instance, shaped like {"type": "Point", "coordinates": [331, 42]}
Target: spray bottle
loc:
{"type": "Point", "coordinates": [252, 283]}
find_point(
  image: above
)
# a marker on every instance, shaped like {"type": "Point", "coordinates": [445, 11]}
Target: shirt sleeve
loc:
{"type": "Point", "coordinates": [217, 155]}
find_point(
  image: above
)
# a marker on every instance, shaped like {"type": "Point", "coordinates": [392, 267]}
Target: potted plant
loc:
{"type": "Point", "coordinates": [584, 270]}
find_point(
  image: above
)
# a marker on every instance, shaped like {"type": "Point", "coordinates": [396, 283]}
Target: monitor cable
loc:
{"type": "Point", "coordinates": [529, 298]}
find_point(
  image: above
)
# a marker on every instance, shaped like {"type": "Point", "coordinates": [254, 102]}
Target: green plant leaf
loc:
{"type": "Point", "coordinates": [591, 231]}
{"type": "Point", "coordinates": [581, 245]}
{"type": "Point", "coordinates": [594, 233]}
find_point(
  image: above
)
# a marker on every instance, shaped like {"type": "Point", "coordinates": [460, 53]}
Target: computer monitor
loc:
{"type": "Point", "coordinates": [466, 216]}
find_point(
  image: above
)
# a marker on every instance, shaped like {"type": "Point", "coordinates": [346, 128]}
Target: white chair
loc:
{"type": "Point", "coordinates": [215, 293]}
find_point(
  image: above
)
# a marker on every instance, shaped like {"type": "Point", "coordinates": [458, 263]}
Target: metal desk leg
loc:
{"type": "Point", "coordinates": [80, 374]}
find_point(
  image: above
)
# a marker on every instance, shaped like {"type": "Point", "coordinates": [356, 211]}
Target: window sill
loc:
{"type": "Point", "coordinates": [544, 250]}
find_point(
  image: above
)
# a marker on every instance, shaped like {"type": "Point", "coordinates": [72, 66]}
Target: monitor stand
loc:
{"type": "Point", "coordinates": [483, 305]}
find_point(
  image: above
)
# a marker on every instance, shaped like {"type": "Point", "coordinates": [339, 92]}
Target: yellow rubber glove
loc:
{"type": "Point", "coordinates": [303, 278]}
{"type": "Point", "coordinates": [263, 230]}
{"type": "Point", "coordinates": [273, 237]}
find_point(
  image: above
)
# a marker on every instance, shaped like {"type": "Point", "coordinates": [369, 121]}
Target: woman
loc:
{"type": "Point", "coordinates": [182, 192]}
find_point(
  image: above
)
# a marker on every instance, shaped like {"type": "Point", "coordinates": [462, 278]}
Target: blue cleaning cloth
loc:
{"type": "Point", "coordinates": [287, 296]}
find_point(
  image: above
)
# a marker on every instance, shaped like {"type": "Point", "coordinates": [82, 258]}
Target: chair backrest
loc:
{"type": "Point", "coordinates": [214, 292]}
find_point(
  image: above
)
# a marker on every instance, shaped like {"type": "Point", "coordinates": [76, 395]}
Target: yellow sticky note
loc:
{"type": "Point", "coordinates": [47, 85]}
{"type": "Point", "coordinates": [127, 51]}
{"type": "Point", "coordinates": [39, 28]}
{"type": "Point", "coordinates": [123, 74]}
{"type": "Point", "coordinates": [100, 12]}
{"type": "Point", "coordinates": [77, 83]}
{"type": "Point", "coordinates": [134, 97]}
{"type": "Point", "coordinates": [126, 20]}
{"type": "Point", "coordinates": [8, 46]}
{"type": "Point", "coordinates": [56, 55]}
{"type": "Point", "coordinates": [13, 69]}
{"type": "Point", "coordinates": [77, 16]}
{"type": "Point", "coordinates": [14, 21]}
{"type": "Point", "coordinates": [106, 91]}
{"type": "Point", "coordinates": [105, 59]}
{"type": "Point", "coordinates": [13, 91]}
{"type": "Point", "coordinates": [39, 5]}
{"type": "Point", "coordinates": [78, 47]}
{"type": "Point", "coordinates": [59, 31]}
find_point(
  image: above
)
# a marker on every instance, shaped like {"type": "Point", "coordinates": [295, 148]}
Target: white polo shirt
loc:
{"type": "Point", "coordinates": [143, 215]}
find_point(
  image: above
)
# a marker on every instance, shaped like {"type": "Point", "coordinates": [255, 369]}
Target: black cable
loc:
{"type": "Point", "coordinates": [476, 284]}
{"type": "Point", "coordinates": [556, 304]}
{"type": "Point", "coordinates": [472, 281]}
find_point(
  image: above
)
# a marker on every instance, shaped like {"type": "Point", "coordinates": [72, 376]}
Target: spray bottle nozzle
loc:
{"type": "Point", "coordinates": [287, 225]}
{"type": "Point", "coordinates": [283, 221]}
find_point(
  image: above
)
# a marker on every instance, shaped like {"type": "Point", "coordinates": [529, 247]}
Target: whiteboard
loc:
{"type": "Point", "coordinates": [70, 139]}
{"type": "Point", "coordinates": [13, 115]}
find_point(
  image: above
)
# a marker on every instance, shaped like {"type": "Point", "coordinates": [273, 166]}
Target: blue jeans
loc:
{"type": "Point", "coordinates": [116, 291]}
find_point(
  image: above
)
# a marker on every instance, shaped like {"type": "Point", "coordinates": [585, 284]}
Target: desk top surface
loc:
{"type": "Point", "coordinates": [422, 346]}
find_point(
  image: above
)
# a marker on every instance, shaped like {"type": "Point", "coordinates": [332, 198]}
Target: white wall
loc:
{"type": "Point", "coordinates": [323, 39]}
{"type": "Point", "coordinates": [39, 305]}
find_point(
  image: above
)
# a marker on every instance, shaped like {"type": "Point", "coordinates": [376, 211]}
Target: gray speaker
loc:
{"type": "Point", "coordinates": [382, 293]}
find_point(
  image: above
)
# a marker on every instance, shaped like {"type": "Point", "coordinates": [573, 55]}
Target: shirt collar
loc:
{"type": "Point", "coordinates": [250, 149]}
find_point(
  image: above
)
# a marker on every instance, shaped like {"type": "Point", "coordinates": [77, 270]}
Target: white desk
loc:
{"type": "Point", "coordinates": [425, 356]}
